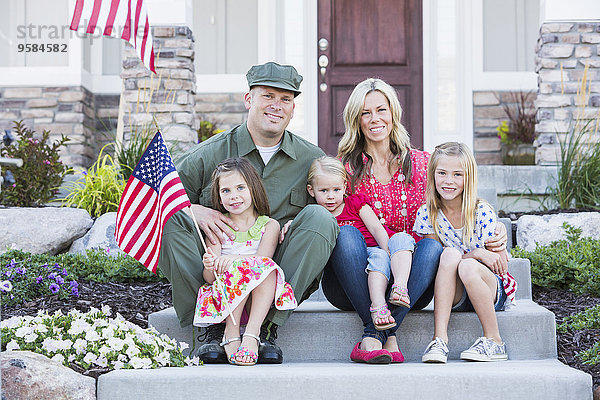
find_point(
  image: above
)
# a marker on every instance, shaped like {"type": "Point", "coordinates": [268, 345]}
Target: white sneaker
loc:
{"type": "Point", "coordinates": [485, 349]}
{"type": "Point", "coordinates": [436, 352]}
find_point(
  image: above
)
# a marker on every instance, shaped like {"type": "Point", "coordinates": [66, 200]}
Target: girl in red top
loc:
{"type": "Point", "coordinates": [387, 251]}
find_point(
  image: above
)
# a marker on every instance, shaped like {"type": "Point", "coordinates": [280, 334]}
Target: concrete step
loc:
{"type": "Point", "coordinates": [519, 268]}
{"type": "Point", "coordinates": [319, 332]}
{"type": "Point", "coordinates": [542, 379]}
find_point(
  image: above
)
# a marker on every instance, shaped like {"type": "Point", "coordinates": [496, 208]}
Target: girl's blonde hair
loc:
{"type": "Point", "coordinates": [258, 194]}
{"type": "Point", "coordinates": [326, 165]}
{"type": "Point", "coordinates": [353, 143]}
{"type": "Point", "coordinates": [469, 195]}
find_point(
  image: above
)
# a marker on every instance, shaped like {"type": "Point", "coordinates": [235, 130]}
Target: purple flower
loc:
{"type": "Point", "coordinates": [45, 266]}
{"type": "Point", "coordinates": [39, 279]}
{"type": "Point", "coordinates": [74, 284]}
{"type": "Point", "coordinates": [8, 273]}
{"type": "Point", "coordinates": [75, 291]}
{"type": "Point", "coordinates": [54, 288]}
{"type": "Point", "coordinates": [59, 279]}
{"type": "Point", "coordinates": [64, 272]}
{"type": "Point", "coordinates": [20, 270]}
{"type": "Point", "coordinates": [12, 263]}
{"type": "Point", "coordinates": [57, 266]}
{"type": "Point", "coordinates": [52, 275]}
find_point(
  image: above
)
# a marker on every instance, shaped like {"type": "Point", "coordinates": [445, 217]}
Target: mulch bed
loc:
{"type": "Point", "coordinates": [135, 301]}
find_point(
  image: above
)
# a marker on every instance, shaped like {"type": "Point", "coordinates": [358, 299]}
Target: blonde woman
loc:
{"type": "Point", "coordinates": [376, 151]}
{"type": "Point", "coordinates": [469, 278]}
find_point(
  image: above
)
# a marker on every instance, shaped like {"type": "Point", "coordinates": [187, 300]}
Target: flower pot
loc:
{"type": "Point", "coordinates": [518, 154]}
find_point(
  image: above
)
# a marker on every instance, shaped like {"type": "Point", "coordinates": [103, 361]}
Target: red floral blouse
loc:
{"type": "Point", "coordinates": [389, 201]}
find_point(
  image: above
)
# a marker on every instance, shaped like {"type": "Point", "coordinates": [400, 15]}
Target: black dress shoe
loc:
{"type": "Point", "coordinates": [268, 351]}
{"type": "Point", "coordinates": [211, 352]}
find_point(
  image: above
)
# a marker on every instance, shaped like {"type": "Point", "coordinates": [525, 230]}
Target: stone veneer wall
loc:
{"type": "Point", "coordinates": [168, 95]}
{"type": "Point", "coordinates": [225, 110]}
{"type": "Point", "coordinates": [488, 113]}
{"type": "Point", "coordinates": [71, 111]}
{"type": "Point", "coordinates": [563, 51]}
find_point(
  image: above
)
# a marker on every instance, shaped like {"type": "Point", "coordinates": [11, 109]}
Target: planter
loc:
{"type": "Point", "coordinates": [518, 154]}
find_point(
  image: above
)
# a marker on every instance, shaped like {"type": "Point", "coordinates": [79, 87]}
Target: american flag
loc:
{"type": "Point", "coordinates": [129, 17]}
{"type": "Point", "coordinates": [152, 195]}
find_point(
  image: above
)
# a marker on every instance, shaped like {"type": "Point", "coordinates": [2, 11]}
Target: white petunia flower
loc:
{"type": "Point", "coordinates": [12, 322]}
{"type": "Point", "coordinates": [78, 326]}
{"type": "Point", "coordinates": [106, 310]}
{"type": "Point", "coordinates": [80, 345]}
{"type": "Point", "coordinates": [163, 358]}
{"type": "Point", "coordinates": [40, 328]}
{"type": "Point", "coordinates": [102, 361]}
{"type": "Point", "coordinates": [89, 358]}
{"type": "Point", "coordinates": [115, 343]}
{"type": "Point", "coordinates": [136, 362]}
{"type": "Point", "coordinates": [183, 345]}
{"type": "Point", "coordinates": [23, 331]}
{"type": "Point", "coordinates": [132, 351]}
{"type": "Point", "coordinates": [117, 365]}
{"type": "Point", "coordinates": [12, 345]}
{"type": "Point", "coordinates": [30, 338]}
{"type": "Point", "coordinates": [103, 350]}
{"type": "Point", "coordinates": [92, 336]}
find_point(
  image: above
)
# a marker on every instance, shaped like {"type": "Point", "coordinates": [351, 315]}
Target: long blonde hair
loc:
{"type": "Point", "coordinates": [326, 165]}
{"type": "Point", "coordinates": [469, 195]}
{"type": "Point", "coordinates": [352, 145]}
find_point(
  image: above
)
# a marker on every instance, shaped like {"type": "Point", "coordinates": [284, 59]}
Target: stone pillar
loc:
{"type": "Point", "coordinates": [168, 95]}
{"type": "Point", "coordinates": [563, 51]}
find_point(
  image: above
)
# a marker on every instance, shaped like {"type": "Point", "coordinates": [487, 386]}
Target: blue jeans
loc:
{"type": "Point", "coordinates": [345, 282]}
{"type": "Point", "coordinates": [379, 260]}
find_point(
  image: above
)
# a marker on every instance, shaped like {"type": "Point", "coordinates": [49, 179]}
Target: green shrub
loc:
{"type": "Point", "coordinates": [100, 188]}
{"type": "Point", "coordinates": [97, 265]}
{"type": "Point", "coordinates": [587, 319]}
{"type": "Point", "coordinates": [570, 264]}
{"type": "Point", "coordinates": [38, 180]}
{"type": "Point", "coordinates": [129, 155]}
{"type": "Point", "coordinates": [32, 279]}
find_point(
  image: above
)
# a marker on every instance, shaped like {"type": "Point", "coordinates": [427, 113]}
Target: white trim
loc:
{"type": "Point", "coordinates": [310, 90]}
{"type": "Point", "coordinates": [267, 35]}
{"type": "Point", "coordinates": [526, 80]}
{"type": "Point", "coordinates": [221, 83]}
{"type": "Point", "coordinates": [429, 76]}
{"type": "Point", "coordinates": [464, 72]}
{"type": "Point", "coordinates": [573, 10]}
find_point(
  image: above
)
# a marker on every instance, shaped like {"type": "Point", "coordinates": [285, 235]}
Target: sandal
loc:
{"type": "Point", "coordinates": [225, 342]}
{"type": "Point", "coordinates": [243, 351]}
{"type": "Point", "coordinates": [403, 298]}
{"type": "Point", "coordinates": [381, 312]}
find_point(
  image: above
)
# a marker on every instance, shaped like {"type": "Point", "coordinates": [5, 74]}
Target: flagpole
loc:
{"type": "Point", "coordinates": [217, 281]}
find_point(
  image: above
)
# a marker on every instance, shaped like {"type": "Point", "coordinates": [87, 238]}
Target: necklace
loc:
{"type": "Point", "coordinates": [386, 197]}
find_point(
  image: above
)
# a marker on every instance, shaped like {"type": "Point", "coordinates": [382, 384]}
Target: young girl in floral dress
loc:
{"type": "Point", "coordinates": [240, 269]}
{"type": "Point", "coordinates": [469, 276]}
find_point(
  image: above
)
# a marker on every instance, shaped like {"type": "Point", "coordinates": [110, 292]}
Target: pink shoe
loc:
{"type": "Point", "coordinates": [397, 357]}
{"type": "Point", "coordinates": [371, 357]}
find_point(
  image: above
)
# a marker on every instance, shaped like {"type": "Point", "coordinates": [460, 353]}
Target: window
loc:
{"type": "Point", "coordinates": [34, 23]}
{"type": "Point", "coordinates": [225, 33]}
{"type": "Point", "coordinates": [510, 32]}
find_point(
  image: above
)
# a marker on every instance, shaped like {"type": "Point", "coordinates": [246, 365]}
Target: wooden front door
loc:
{"type": "Point", "coordinates": [360, 39]}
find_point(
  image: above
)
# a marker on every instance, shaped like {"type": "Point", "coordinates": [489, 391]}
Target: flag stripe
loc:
{"type": "Point", "coordinates": [110, 19]}
{"type": "Point", "coordinates": [130, 16]}
{"type": "Point", "coordinates": [77, 15]}
{"type": "Point", "coordinates": [94, 16]}
{"type": "Point", "coordinates": [152, 195]}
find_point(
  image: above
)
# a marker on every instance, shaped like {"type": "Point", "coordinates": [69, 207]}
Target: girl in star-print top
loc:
{"type": "Point", "coordinates": [469, 276]}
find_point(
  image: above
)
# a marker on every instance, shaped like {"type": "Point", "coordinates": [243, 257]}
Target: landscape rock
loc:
{"type": "Point", "coordinates": [101, 236]}
{"type": "Point", "coordinates": [27, 375]}
{"type": "Point", "coordinates": [42, 230]}
{"type": "Point", "coordinates": [545, 229]}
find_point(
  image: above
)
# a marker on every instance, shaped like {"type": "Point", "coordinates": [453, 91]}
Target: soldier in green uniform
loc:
{"type": "Point", "coordinates": [308, 232]}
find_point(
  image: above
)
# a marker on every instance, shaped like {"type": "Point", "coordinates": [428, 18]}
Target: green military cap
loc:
{"type": "Point", "coordinates": [275, 75]}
